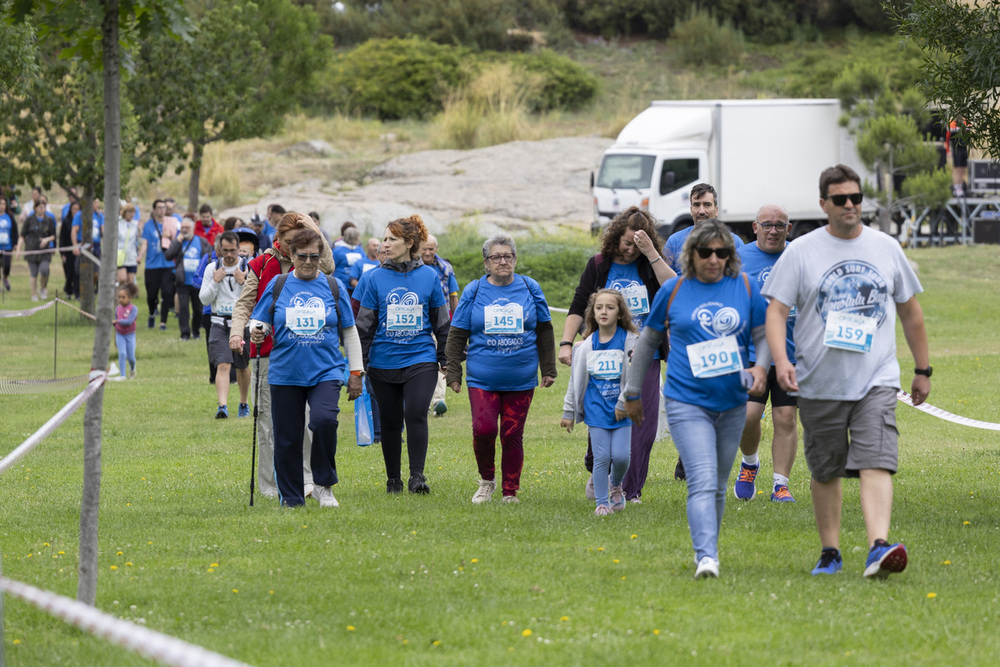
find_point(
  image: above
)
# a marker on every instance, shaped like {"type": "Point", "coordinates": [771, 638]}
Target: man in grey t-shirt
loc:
{"type": "Point", "coordinates": [847, 283]}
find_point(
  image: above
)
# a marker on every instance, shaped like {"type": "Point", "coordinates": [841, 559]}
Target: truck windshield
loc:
{"type": "Point", "coordinates": [678, 173]}
{"type": "Point", "coordinates": [626, 171]}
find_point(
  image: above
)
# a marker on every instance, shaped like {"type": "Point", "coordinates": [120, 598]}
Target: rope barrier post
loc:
{"type": "Point", "coordinates": [2, 661]}
{"type": "Point", "coordinates": [55, 347]}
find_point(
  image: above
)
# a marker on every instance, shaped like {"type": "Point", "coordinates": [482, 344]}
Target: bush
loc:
{"type": "Point", "coordinates": [395, 78]}
{"type": "Point", "coordinates": [563, 84]}
{"type": "Point", "coordinates": [701, 40]}
{"type": "Point", "coordinates": [929, 188]}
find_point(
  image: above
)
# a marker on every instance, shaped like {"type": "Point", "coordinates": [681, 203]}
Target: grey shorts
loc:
{"type": "Point", "coordinates": [38, 264]}
{"type": "Point", "coordinates": [218, 348]}
{"type": "Point", "coordinates": [844, 437]}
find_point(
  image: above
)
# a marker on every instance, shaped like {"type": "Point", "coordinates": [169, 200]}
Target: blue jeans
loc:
{"type": "Point", "coordinates": [707, 442]}
{"type": "Point", "coordinates": [126, 351]}
{"type": "Point", "coordinates": [612, 450]}
{"type": "Point", "coordinates": [288, 408]}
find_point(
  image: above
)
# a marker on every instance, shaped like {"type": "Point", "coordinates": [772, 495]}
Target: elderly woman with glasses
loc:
{"type": "Point", "coordinates": [505, 320]}
{"type": "Point", "coordinates": [309, 316]}
{"type": "Point", "coordinates": [712, 311]}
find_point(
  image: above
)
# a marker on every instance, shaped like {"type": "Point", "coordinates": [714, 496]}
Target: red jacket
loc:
{"type": "Point", "coordinates": [266, 267]}
{"type": "Point", "coordinates": [210, 233]}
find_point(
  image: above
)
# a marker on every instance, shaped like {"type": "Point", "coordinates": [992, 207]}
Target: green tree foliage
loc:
{"type": "Point", "coordinates": [247, 65]}
{"type": "Point", "coordinates": [701, 40]}
{"type": "Point", "coordinates": [17, 52]}
{"type": "Point", "coordinates": [563, 83]}
{"type": "Point", "coordinates": [961, 48]}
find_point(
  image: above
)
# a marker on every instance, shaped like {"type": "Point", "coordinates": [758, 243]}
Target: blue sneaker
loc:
{"type": "Point", "coordinates": [829, 562]}
{"type": "Point", "coordinates": [244, 410]}
{"type": "Point", "coordinates": [223, 412]}
{"type": "Point", "coordinates": [885, 559]}
{"type": "Point", "coordinates": [745, 487]}
{"type": "Point", "coordinates": [781, 494]}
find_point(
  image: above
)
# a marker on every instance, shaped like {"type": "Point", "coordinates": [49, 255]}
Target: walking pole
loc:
{"type": "Point", "coordinates": [256, 402]}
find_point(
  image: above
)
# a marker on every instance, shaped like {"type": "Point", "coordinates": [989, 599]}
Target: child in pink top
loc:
{"type": "Point", "coordinates": [125, 314]}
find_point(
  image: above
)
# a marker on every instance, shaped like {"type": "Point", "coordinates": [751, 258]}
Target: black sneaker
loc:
{"type": "Point", "coordinates": [679, 471]}
{"type": "Point", "coordinates": [151, 322]}
{"type": "Point", "coordinates": [394, 486]}
{"type": "Point", "coordinates": [418, 483]}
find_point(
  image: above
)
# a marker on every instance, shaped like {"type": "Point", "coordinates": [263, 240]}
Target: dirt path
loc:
{"type": "Point", "coordinates": [507, 187]}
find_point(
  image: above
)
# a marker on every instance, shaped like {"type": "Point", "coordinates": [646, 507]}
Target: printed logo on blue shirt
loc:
{"type": "Point", "coordinates": [853, 287]}
{"type": "Point", "coordinates": [717, 320]}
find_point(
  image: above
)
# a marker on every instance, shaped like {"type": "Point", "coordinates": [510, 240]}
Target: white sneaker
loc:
{"type": "Point", "coordinates": [485, 491]}
{"type": "Point", "coordinates": [44, 293]}
{"type": "Point", "coordinates": [324, 494]}
{"type": "Point", "coordinates": [708, 567]}
{"type": "Point", "coordinates": [307, 491]}
{"type": "Point", "coordinates": [510, 500]}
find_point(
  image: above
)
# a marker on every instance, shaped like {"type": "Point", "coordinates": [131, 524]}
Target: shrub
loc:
{"type": "Point", "coordinates": [395, 78]}
{"type": "Point", "coordinates": [563, 84]}
{"type": "Point", "coordinates": [929, 188]}
{"type": "Point", "coordinates": [701, 40]}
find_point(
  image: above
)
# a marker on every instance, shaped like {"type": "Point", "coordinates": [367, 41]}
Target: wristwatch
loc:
{"type": "Point", "coordinates": [924, 371]}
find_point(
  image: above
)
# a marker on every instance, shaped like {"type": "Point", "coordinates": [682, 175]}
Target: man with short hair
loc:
{"type": "Point", "coordinates": [771, 227]}
{"type": "Point", "coordinates": [186, 252]}
{"type": "Point", "coordinates": [365, 264]}
{"type": "Point", "coordinates": [704, 206]}
{"type": "Point", "coordinates": [207, 227]}
{"type": "Point", "coordinates": [274, 213]}
{"type": "Point", "coordinates": [159, 272]}
{"type": "Point", "coordinates": [221, 287]}
{"type": "Point", "coordinates": [449, 286]}
{"type": "Point", "coordinates": [848, 282]}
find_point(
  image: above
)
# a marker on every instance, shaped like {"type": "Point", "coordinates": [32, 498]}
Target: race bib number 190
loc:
{"type": "Point", "coordinates": [715, 357]}
{"type": "Point", "coordinates": [853, 333]}
{"type": "Point", "coordinates": [404, 318]}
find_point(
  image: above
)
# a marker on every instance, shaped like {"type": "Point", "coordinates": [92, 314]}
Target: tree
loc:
{"type": "Point", "coordinates": [17, 53]}
{"type": "Point", "coordinates": [248, 64]}
{"type": "Point", "coordinates": [97, 31]}
{"type": "Point", "coordinates": [961, 47]}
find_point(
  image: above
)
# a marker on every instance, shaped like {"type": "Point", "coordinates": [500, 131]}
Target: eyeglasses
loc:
{"type": "Point", "coordinates": [721, 253]}
{"type": "Point", "coordinates": [303, 257]}
{"type": "Point", "coordinates": [496, 259]}
{"type": "Point", "coordinates": [768, 226]}
{"type": "Point", "coordinates": [229, 251]}
{"type": "Point", "coordinates": [840, 200]}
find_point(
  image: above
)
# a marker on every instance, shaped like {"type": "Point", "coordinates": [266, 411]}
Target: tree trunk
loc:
{"type": "Point", "coordinates": [197, 152]}
{"type": "Point", "coordinates": [92, 419]}
{"type": "Point", "coordinates": [87, 266]}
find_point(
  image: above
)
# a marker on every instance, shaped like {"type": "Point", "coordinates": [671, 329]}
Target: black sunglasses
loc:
{"type": "Point", "coordinates": [721, 253]}
{"type": "Point", "coordinates": [840, 200]}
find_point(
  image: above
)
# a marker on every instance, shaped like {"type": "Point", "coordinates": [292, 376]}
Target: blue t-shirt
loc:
{"type": "Point", "coordinates": [344, 259]}
{"type": "Point", "coordinates": [675, 243]}
{"type": "Point", "coordinates": [199, 277]}
{"type": "Point", "coordinates": [404, 335]}
{"type": "Point", "coordinates": [96, 230]}
{"type": "Point", "coordinates": [306, 341]}
{"type": "Point", "coordinates": [757, 264]}
{"type": "Point", "coordinates": [602, 393]}
{"type": "Point", "coordinates": [501, 320]}
{"type": "Point", "coordinates": [6, 232]}
{"type": "Point", "coordinates": [191, 257]}
{"type": "Point", "coordinates": [703, 312]}
{"type": "Point", "coordinates": [359, 268]}
{"type": "Point", "coordinates": [153, 233]}
{"type": "Point", "coordinates": [625, 279]}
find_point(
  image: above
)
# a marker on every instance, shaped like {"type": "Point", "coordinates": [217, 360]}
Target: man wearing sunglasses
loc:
{"type": "Point", "coordinates": [848, 282]}
{"type": "Point", "coordinates": [757, 259]}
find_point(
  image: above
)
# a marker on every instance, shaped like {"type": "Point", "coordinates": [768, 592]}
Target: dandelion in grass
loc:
{"type": "Point", "coordinates": [351, 628]}
{"type": "Point", "coordinates": [128, 564]}
{"type": "Point", "coordinates": [616, 561]}
{"type": "Point", "coordinates": [118, 553]}
{"type": "Point", "coordinates": [600, 548]}
{"type": "Point", "coordinates": [656, 632]}
{"type": "Point", "coordinates": [236, 590]}
{"type": "Point", "coordinates": [474, 561]}
{"type": "Point", "coordinates": [633, 536]}
{"type": "Point", "coordinates": [114, 567]}
{"type": "Point", "coordinates": [564, 619]}
{"type": "Point", "coordinates": [214, 565]}
{"type": "Point", "coordinates": [45, 544]}
{"type": "Point", "coordinates": [16, 641]}
{"type": "Point", "coordinates": [931, 596]}
{"type": "Point", "coordinates": [210, 570]}
{"type": "Point", "coordinates": [966, 523]}
{"type": "Point", "coordinates": [946, 562]}
{"type": "Point", "coordinates": [62, 553]}
{"type": "Point", "coordinates": [526, 632]}
{"type": "Point", "coordinates": [436, 642]}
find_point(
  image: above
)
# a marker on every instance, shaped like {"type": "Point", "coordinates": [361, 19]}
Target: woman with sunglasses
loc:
{"type": "Point", "coordinates": [712, 311]}
{"type": "Point", "coordinates": [403, 322]}
{"type": "Point", "coordinates": [309, 316]}
{"type": "Point", "coordinates": [631, 262]}
{"type": "Point", "coordinates": [505, 320]}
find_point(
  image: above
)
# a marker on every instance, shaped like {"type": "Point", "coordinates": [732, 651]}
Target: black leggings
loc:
{"type": "Point", "coordinates": [160, 282]}
{"type": "Point", "coordinates": [404, 395]}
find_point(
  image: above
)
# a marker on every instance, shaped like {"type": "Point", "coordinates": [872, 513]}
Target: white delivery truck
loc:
{"type": "Point", "coordinates": [754, 152]}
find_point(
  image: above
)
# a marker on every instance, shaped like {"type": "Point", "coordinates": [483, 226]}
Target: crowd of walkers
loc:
{"type": "Point", "coordinates": [298, 315]}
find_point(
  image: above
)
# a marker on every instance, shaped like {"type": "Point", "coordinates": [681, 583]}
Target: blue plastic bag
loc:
{"type": "Point", "coordinates": [364, 425]}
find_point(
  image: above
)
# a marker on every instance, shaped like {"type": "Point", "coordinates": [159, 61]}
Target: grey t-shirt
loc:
{"type": "Point", "coordinates": [819, 274]}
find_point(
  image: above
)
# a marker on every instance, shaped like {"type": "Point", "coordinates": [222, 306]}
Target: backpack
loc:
{"type": "Point", "coordinates": [279, 284]}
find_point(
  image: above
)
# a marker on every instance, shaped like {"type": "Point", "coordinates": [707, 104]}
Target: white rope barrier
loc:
{"type": "Point", "coordinates": [29, 312]}
{"type": "Point", "coordinates": [148, 643]}
{"type": "Point", "coordinates": [97, 378]}
{"type": "Point", "coordinates": [904, 397]}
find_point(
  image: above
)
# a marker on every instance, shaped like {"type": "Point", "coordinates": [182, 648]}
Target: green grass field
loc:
{"type": "Point", "coordinates": [436, 580]}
